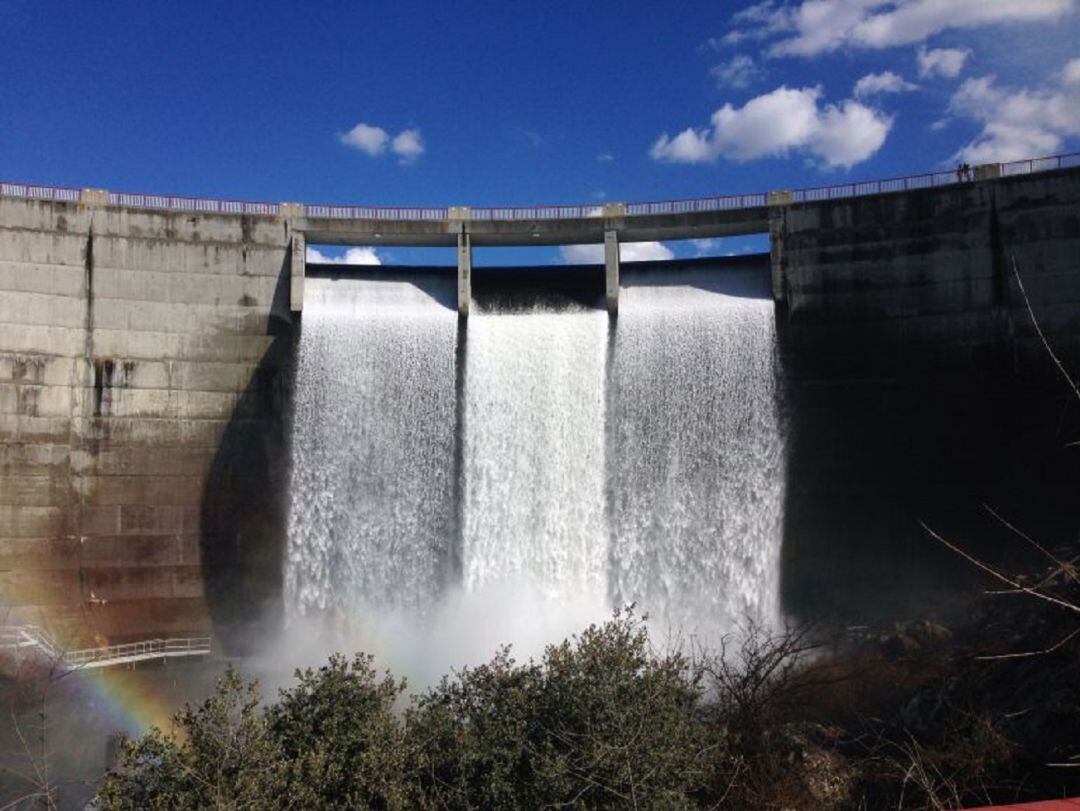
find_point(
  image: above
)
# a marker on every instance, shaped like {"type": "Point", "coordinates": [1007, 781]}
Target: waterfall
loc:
{"type": "Point", "coordinates": [372, 491]}
{"type": "Point", "coordinates": [696, 451]}
{"type": "Point", "coordinates": [533, 461]}
{"type": "Point", "coordinates": [512, 482]}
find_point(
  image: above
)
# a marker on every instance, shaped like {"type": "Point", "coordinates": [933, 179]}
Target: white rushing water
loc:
{"type": "Point", "coordinates": [534, 467]}
{"type": "Point", "coordinates": [371, 521]}
{"type": "Point", "coordinates": [696, 452]}
{"type": "Point", "coordinates": [592, 471]}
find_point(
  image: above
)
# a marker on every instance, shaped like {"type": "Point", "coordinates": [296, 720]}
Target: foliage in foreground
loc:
{"type": "Point", "coordinates": [911, 719]}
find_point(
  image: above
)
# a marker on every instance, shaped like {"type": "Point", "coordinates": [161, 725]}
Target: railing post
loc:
{"type": "Point", "coordinates": [94, 197]}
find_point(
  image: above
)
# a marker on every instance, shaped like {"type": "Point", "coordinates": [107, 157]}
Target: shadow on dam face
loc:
{"type": "Point", "coordinates": [887, 435]}
{"type": "Point", "coordinates": [243, 521]}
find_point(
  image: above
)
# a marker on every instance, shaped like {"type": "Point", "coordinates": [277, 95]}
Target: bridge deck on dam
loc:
{"type": "Point", "coordinates": [718, 216]}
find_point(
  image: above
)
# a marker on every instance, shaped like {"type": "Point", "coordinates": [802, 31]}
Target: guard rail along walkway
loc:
{"type": "Point", "coordinates": [204, 205]}
{"type": "Point", "coordinates": [33, 638]}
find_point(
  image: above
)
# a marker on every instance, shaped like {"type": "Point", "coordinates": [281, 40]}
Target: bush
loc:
{"type": "Point", "coordinates": [599, 722]}
{"type": "Point", "coordinates": [602, 721]}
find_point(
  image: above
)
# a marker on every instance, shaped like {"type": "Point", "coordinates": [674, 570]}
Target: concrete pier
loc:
{"type": "Point", "coordinates": [464, 271]}
{"type": "Point", "coordinates": [777, 228]}
{"type": "Point", "coordinates": [297, 271]}
{"type": "Point", "coordinates": [611, 271]}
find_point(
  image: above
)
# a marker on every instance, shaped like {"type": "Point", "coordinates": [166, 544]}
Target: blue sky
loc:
{"type": "Point", "coordinates": [412, 103]}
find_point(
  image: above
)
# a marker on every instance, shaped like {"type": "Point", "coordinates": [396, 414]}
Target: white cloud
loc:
{"type": "Point", "coordinates": [704, 247]}
{"type": "Point", "coordinates": [628, 252]}
{"type": "Point", "coordinates": [1019, 123]}
{"type": "Point", "coordinates": [761, 21]}
{"type": "Point", "coordinates": [605, 157]}
{"type": "Point", "coordinates": [1070, 75]}
{"type": "Point", "coordinates": [352, 256]}
{"type": "Point", "coordinates": [738, 72]}
{"type": "Point", "coordinates": [885, 82]}
{"type": "Point", "coordinates": [780, 122]}
{"type": "Point", "coordinates": [820, 26]}
{"type": "Point", "coordinates": [366, 138]}
{"type": "Point", "coordinates": [373, 141]}
{"type": "Point", "coordinates": [946, 62]}
{"type": "Point", "coordinates": [408, 145]}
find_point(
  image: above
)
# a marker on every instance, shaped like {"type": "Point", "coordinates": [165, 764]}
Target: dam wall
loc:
{"type": "Point", "coordinates": [146, 360]}
{"type": "Point", "coordinates": [137, 349]}
{"type": "Point", "coordinates": [925, 279]}
{"type": "Point", "coordinates": [919, 390]}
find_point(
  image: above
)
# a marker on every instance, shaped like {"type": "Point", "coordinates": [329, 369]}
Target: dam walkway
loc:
{"type": "Point", "coordinates": [21, 639]}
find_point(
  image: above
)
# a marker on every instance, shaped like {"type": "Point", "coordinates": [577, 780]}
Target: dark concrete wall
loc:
{"type": "Point", "coordinates": [918, 390]}
{"type": "Point", "coordinates": [871, 282]}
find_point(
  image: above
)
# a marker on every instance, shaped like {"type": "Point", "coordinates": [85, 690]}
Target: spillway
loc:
{"type": "Point", "coordinates": [696, 450]}
{"type": "Point", "coordinates": [371, 520]}
{"type": "Point", "coordinates": [535, 525]}
{"type": "Point", "coordinates": [516, 477]}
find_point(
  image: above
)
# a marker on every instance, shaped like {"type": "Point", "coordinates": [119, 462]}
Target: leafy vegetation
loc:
{"type": "Point", "coordinates": [912, 718]}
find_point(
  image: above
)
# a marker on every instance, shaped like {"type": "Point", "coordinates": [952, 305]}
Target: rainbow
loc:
{"type": "Point", "coordinates": [128, 700]}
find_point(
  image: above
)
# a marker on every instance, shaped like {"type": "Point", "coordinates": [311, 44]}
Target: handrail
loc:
{"type": "Point", "coordinates": [34, 636]}
{"type": "Point", "coordinates": [374, 212]}
{"type": "Point", "coordinates": [203, 205]}
{"type": "Point", "coordinates": [528, 213]}
{"type": "Point", "coordinates": [37, 192]}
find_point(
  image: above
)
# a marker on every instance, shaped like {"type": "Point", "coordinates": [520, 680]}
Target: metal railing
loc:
{"type": "Point", "coordinates": [137, 651]}
{"type": "Point", "coordinates": [35, 637]}
{"type": "Point", "coordinates": [196, 204]}
{"type": "Point", "coordinates": [30, 636]}
{"type": "Point", "coordinates": [374, 213]}
{"type": "Point", "coordinates": [698, 204]}
{"type": "Point", "coordinates": [53, 193]}
{"type": "Point", "coordinates": [527, 213]}
{"type": "Point", "coordinates": [863, 188]}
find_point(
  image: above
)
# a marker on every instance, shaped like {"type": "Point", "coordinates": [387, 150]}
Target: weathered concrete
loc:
{"type": "Point", "coordinates": [299, 266]}
{"type": "Point", "coordinates": [885, 276]}
{"type": "Point", "coordinates": [611, 271]}
{"type": "Point", "coordinates": [917, 389]}
{"type": "Point", "coordinates": [777, 228]}
{"type": "Point", "coordinates": [129, 341]}
{"type": "Point", "coordinates": [464, 271]}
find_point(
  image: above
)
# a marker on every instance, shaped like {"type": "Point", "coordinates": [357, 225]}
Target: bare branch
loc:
{"type": "Point", "coordinates": [1038, 329]}
{"type": "Point", "coordinates": [1027, 654]}
{"type": "Point", "coordinates": [1020, 533]}
{"type": "Point", "coordinates": [999, 576]}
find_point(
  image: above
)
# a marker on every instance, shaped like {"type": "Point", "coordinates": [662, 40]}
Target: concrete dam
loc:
{"type": "Point", "coordinates": [202, 434]}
